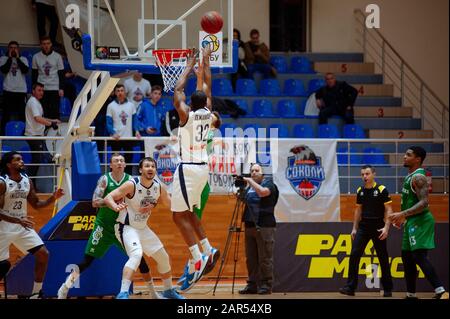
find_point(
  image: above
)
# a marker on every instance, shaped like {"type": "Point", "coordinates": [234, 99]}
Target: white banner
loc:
{"type": "Point", "coordinates": [215, 41]}
{"type": "Point", "coordinates": [224, 161]}
{"type": "Point", "coordinates": [307, 177]}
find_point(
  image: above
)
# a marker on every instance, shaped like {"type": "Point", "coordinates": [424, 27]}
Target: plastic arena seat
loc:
{"type": "Point", "coordinates": [283, 130]}
{"type": "Point", "coordinates": [263, 108]}
{"type": "Point", "coordinates": [301, 65]}
{"type": "Point", "coordinates": [222, 87]}
{"type": "Point", "coordinates": [279, 63]}
{"type": "Point", "coordinates": [15, 128]}
{"type": "Point", "coordinates": [65, 107]}
{"type": "Point", "coordinates": [314, 85]}
{"type": "Point", "coordinates": [374, 156]}
{"type": "Point", "coordinates": [287, 109]}
{"type": "Point", "coordinates": [303, 131]}
{"type": "Point", "coordinates": [354, 131]}
{"type": "Point", "coordinates": [243, 104]}
{"type": "Point", "coordinates": [328, 131]}
{"type": "Point", "coordinates": [343, 157]}
{"type": "Point", "coordinates": [246, 87]}
{"type": "Point", "coordinates": [293, 87]}
{"type": "Point", "coordinates": [270, 87]}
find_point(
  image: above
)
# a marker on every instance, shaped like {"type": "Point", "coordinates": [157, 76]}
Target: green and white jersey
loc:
{"type": "Point", "coordinates": [409, 196]}
{"type": "Point", "coordinates": [106, 216]}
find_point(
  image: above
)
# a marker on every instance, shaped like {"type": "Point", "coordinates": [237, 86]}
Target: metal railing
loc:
{"type": "Point", "coordinates": [413, 90]}
{"type": "Point", "coordinates": [390, 168]}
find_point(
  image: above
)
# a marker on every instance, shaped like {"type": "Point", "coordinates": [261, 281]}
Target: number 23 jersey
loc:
{"type": "Point", "coordinates": [16, 193]}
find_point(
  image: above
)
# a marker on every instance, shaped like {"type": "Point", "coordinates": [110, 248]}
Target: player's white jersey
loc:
{"type": "Point", "coordinates": [142, 197]}
{"type": "Point", "coordinates": [193, 136]}
{"type": "Point", "coordinates": [15, 204]}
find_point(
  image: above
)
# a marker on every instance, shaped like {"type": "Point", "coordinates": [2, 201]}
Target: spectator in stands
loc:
{"type": "Point", "coordinates": [242, 68]}
{"type": "Point", "coordinates": [14, 67]}
{"type": "Point", "coordinates": [48, 69]}
{"type": "Point", "coordinates": [257, 56]}
{"type": "Point", "coordinates": [45, 9]}
{"type": "Point", "coordinates": [35, 126]}
{"type": "Point", "coordinates": [137, 88]}
{"type": "Point", "coordinates": [336, 98]}
{"type": "Point", "coordinates": [149, 114]}
{"type": "Point", "coordinates": [121, 122]}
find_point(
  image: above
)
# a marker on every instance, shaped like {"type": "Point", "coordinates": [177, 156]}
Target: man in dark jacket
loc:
{"type": "Point", "coordinates": [336, 98]}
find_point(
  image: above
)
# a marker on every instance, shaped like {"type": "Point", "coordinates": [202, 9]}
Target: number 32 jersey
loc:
{"type": "Point", "coordinates": [193, 136]}
{"type": "Point", "coordinates": [15, 203]}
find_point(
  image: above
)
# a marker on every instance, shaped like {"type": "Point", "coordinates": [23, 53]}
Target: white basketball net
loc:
{"type": "Point", "coordinates": [172, 63]}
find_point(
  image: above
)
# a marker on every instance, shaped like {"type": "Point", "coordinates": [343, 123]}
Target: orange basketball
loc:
{"type": "Point", "coordinates": [212, 22]}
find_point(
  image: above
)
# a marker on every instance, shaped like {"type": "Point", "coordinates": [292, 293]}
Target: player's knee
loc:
{"type": "Point", "coordinates": [134, 258]}
{"type": "Point", "coordinates": [42, 255]}
{"type": "Point", "coordinates": [5, 265]}
{"type": "Point", "coordinates": [163, 261]}
{"type": "Point", "coordinates": [143, 267]}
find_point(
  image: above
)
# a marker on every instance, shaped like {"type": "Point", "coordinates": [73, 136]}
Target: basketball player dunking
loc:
{"type": "Point", "coordinates": [191, 175]}
{"type": "Point", "coordinates": [136, 199]}
{"type": "Point", "coordinates": [16, 227]}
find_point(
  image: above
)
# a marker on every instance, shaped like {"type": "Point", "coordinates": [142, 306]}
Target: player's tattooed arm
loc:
{"type": "Point", "coordinates": [97, 198]}
{"type": "Point", "coordinates": [36, 203]}
{"type": "Point", "coordinates": [420, 185]}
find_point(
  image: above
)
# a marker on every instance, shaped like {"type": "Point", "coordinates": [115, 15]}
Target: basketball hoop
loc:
{"type": "Point", "coordinates": [171, 62]}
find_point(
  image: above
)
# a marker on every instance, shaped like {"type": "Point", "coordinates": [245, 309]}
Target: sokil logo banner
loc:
{"type": "Point", "coordinates": [307, 176]}
{"type": "Point", "coordinates": [166, 157]}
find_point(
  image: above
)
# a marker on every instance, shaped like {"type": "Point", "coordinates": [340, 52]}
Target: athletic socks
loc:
{"type": "Point", "coordinates": [206, 246]}
{"type": "Point", "coordinates": [70, 280]}
{"type": "Point", "coordinates": [151, 288]}
{"type": "Point", "coordinates": [125, 285]}
{"type": "Point", "coordinates": [167, 283]}
{"type": "Point", "coordinates": [195, 252]}
{"type": "Point", "coordinates": [37, 286]}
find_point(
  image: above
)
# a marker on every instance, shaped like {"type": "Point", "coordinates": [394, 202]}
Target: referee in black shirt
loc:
{"type": "Point", "coordinates": [370, 223]}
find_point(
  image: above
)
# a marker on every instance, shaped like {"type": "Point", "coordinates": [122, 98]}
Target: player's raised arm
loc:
{"type": "Point", "coordinates": [207, 77]}
{"type": "Point", "coordinates": [119, 194]}
{"type": "Point", "coordinates": [179, 96]}
{"type": "Point", "coordinates": [36, 203]}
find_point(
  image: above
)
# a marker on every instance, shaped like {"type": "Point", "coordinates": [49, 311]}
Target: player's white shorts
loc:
{"type": "Point", "coordinates": [188, 183]}
{"type": "Point", "coordinates": [24, 239]}
{"type": "Point", "coordinates": [132, 238]}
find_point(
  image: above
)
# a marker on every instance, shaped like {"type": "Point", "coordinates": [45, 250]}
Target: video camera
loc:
{"type": "Point", "coordinates": [239, 181]}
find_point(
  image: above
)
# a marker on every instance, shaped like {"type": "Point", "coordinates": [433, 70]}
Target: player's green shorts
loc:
{"type": "Point", "coordinates": [204, 199]}
{"type": "Point", "coordinates": [419, 233]}
{"type": "Point", "coordinates": [101, 239]}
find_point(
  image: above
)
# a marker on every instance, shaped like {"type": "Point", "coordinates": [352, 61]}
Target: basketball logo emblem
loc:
{"type": "Point", "coordinates": [212, 41]}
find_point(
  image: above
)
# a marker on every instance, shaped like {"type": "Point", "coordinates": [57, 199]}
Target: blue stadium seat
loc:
{"type": "Point", "coordinates": [328, 131]}
{"type": "Point", "coordinates": [225, 129]}
{"type": "Point", "coordinates": [246, 87]}
{"type": "Point", "coordinates": [2, 52]}
{"type": "Point", "coordinates": [79, 83]}
{"type": "Point", "coordinates": [374, 156]}
{"type": "Point", "coordinates": [303, 131]}
{"type": "Point", "coordinates": [342, 156]}
{"type": "Point", "coordinates": [29, 83]}
{"type": "Point", "coordinates": [6, 149]}
{"type": "Point", "coordinates": [29, 56]}
{"type": "Point", "coordinates": [65, 107]}
{"type": "Point", "coordinates": [314, 85]}
{"type": "Point", "coordinates": [25, 151]}
{"type": "Point", "coordinates": [283, 130]}
{"type": "Point", "coordinates": [354, 131]}
{"type": "Point", "coordinates": [191, 86]}
{"type": "Point", "coordinates": [137, 155]}
{"type": "Point", "coordinates": [270, 87]}
{"type": "Point", "coordinates": [294, 87]}
{"type": "Point", "coordinates": [279, 63]}
{"type": "Point", "coordinates": [287, 109]}
{"type": "Point", "coordinates": [243, 104]}
{"type": "Point", "coordinates": [253, 130]}
{"type": "Point", "coordinates": [263, 108]}
{"type": "Point", "coordinates": [108, 155]}
{"type": "Point", "coordinates": [222, 87]}
{"type": "Point", "coordinates": [301, 65]}
{"type": "Point", "coordinates": [15, 128]}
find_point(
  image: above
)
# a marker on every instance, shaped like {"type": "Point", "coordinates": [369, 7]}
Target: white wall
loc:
{"type": "Point", "coordinates": [417, 29]}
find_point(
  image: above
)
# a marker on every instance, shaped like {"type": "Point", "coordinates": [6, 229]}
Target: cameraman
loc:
{"type": "Point", "coordinates": [35, 126]}
{"type": "Point", "coordinates": [261, 196]}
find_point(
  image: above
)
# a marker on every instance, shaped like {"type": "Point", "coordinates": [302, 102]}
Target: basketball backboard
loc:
{"type": "Point", "coordinates": [123, 34]}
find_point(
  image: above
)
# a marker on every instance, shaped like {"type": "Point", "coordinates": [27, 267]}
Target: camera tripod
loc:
{"type": "Point", "coordinates": [234, 233]}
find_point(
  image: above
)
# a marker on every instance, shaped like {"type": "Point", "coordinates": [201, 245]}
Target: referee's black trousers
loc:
{"type": "Point", "coordinates": [368, 230]}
